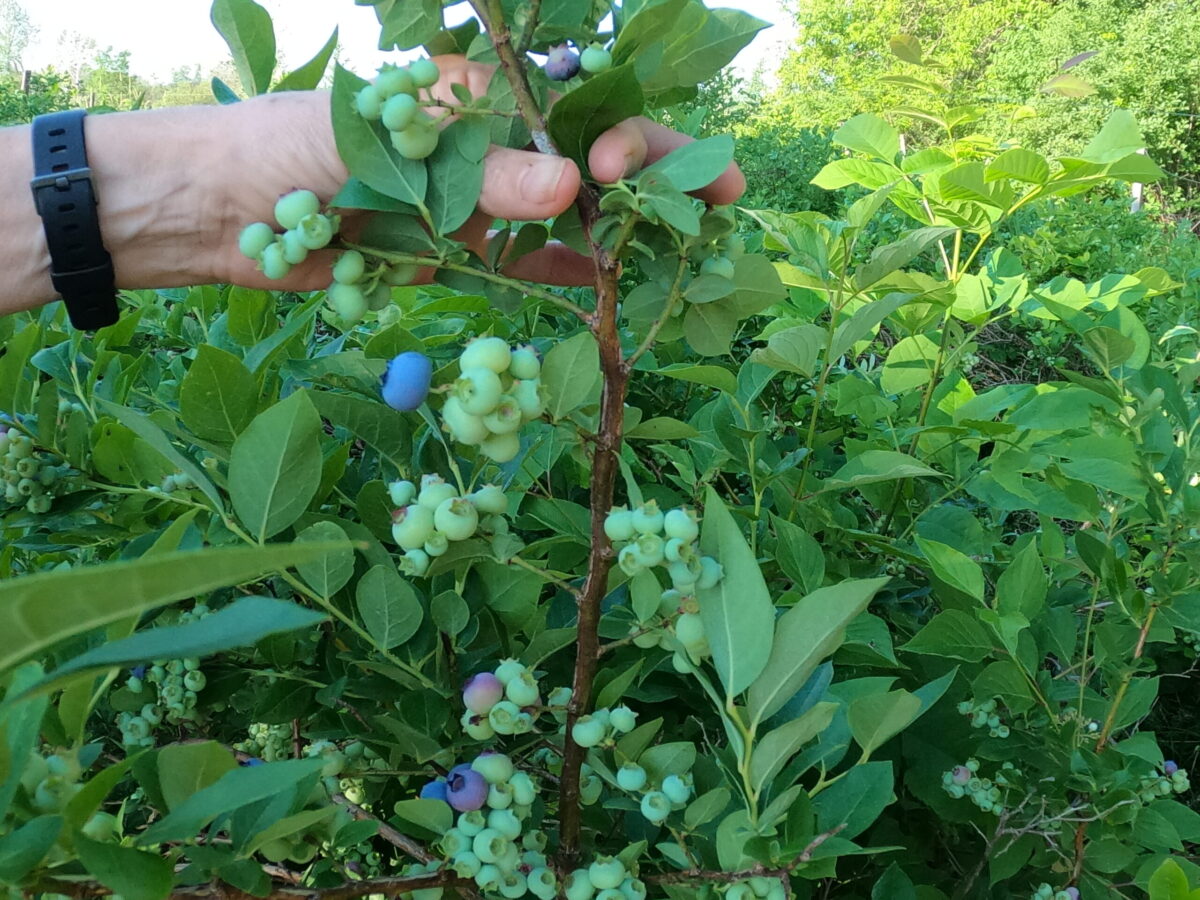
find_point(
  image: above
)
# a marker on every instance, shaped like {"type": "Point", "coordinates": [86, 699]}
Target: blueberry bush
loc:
{"type": "Point", "coordinates": [738, 573]}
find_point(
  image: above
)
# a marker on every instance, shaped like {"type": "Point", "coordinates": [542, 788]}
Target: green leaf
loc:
{"type": "Point", "coordinates": [1020, 165]}
{"type": "Point", "coordinates": [873, 466]}
{"type": "Point", "coordinates": [775, 748]}
{"type": "Point", "coordinates": [1170, 883]}
{"type": "Point", "coordinates": [910, 364]}
{"type": "Point", "coordinates": [793, 349]}
{"type": "Point", "coordinates": [24, 847]}
{"type": "Point", "coordinates": [248, 31]}
{"type": "Point", "coordinates": [799, 555]}
{"type": "Point", "coordinates": [275, 466]}
{"type": "Point", "coordinates": [662, 428]}
{"type": "Point", "coordinates": [570, 374]}
{"type": "Point", "coordinates": [668, 759]}
{"type": "Point", "coordinates": [288, 826]}
{"type": "Point", "coordinates": [887, 259]}
{"type": "Point", "coordinates": [615, 689]}
{"type": "Point", "coordinates": [242, 623]}
{"type": "Point", "coordinates": [712, 376]}
{"type": "Point", "coordinates": [1004, 679]}
{"type": "Point", "coordinates": [1022, 586]}
{"type": "Point", "coordinates": [218, 395]}
{"type": "Point", "coordinates": [738, 615]}
{"type": "Point", "coordinates": [953, 567]}
{"type": "Point", "coordinates": [952, 634]}
{"type": "Point", "coordinates": [330, 573]}
{"type": "Point", "coordinates": [877, 718]}
{"type": "Point", "coordinates": [707, 807]}
{"type": "Point", "coordinates": [844, 172]}
{"type": "Point", "coordinates": [20, 731]}
{"type": "Point", "coordinates": [856, 800]}
{"type": "Point", "coordinates": [134, 874]}
{"type": "Point", "coordinates": [409, 24]}
{"type": "Point", "coordinates": [308, 76]}
{"type": "Point", "coordinates": [1119, 137]}
{"type": "Point", "coordinates": [804, 635]}
{"type": "Point", "coordinates": [870, 135]}
{"type": "Point", "coordinates": [591, 109]}
{"type": "Point", "coordinates": [434, 816]}
{"type": "Point", "coordinates": [237, 788]}
{"type": "Point", "coordinates": [371, 421]}
{"type": "Point", "coordinates": [367, 150]}
{"type": "Point", "coordinates": [389, 606]}
{"type": "Point", "coordinates": [184, 769]}
{"type": "Point", "coordinates": [710, 327]}
{"type": "Point", "coordinates": [894, 884]}
{"type": "Point", "coordinates": [38, 611]}
{"type": "Point", "coordinates": [454, 180]}
{"type": "Point", "coordinates": [697, 164]}
{"type": "Point", "coordinates": [660, 198]}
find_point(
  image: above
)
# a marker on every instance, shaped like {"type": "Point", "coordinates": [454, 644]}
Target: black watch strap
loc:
{"type": "Point", "coordinates": [80, 267]}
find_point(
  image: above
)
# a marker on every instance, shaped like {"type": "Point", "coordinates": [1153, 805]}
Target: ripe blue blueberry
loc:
{"type": "Point", "coordinates": [1170, 767]}
{"type": "Point", "coordinates": [466, 789]}
{"type": "Point", "coordinates": [562, 63]}
{"type": "Point", "coordinates": [436, 790]}
{"type": "Point", "coordinates": [405, 384]}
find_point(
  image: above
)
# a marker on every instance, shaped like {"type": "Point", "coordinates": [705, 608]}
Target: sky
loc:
{"type": "Point", "coordinates": [163, 36]}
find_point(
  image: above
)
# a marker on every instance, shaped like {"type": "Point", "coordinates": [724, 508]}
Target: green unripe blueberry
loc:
{"type": "Point", "coordinates": [760, 886]}
{"type": "Point", "coordinates": [656, 806]}
{"type": "Point", "coordinates": [315, 231]}
{"type": "Point", "coordinates": [681, 523]}
{"type": "Point", "coordinates": [610, 894]}
{"type": "Point", "coordinates": [466, 864]}
{"type": "Point", "coordinates": [399, 111]}
{"type": "Point", "coordinates": [623, 719]}
{"type": "Point", "coordinates": [456, 518]}
{"type": "Point", "coordinates": [508, 670]}
{"type": "Point", "coordinates": [503, 717]}
{"type": "Point", "coordinates": [488, 877]}
{"type": "Point", "coordinates": [529, 396]}
{"type": "Point", "coordinates": [512, 884]}
{"type": "Point", "coordinates": [255, 238]}
{"type": "Point", "coordinates": [631, 777]}
{"type": "Point", "coordinates": [477, 727]}
{"type": "Point", "coordinates": [437, 545]}
{"type": "Point", "coordinates": [393, 80]}
{"type": "Point", "coordinates": [424, 73]}
{"type": "Point", "coordinates": [291, 208]}
{"type": "Point", "coordinates": [501, 448]}
{"type": "Point", "coordinates": [487, 353]}
{"type": "Point", "coordinates": [739, 891]}
{"type": "Point", "coordinates": [525, 364]}
{"type": "Point", "coordinates": [717, 265]}
{"type": "Point", "coordinates": [648, 518]}
{"type": "Point", "coordinates": [489, 845]}
{"type": "Point", "coordinates": [676, 789]}
{"type": "Point", "coordinates": [490, 499]}
{"type": "Point", "coordinates": [478, 390]}
{"type": "Point", "coordinates": [588, 731]}
{"type": "Point", "coordinates": [434, 492]}
{"type": "Point", "coordinates": [595, 59]}
{"type": "Point", "coordinates": [679, 550]}
{"type": "Point", "coordinates": [368, 103]}
{"type": "Point", "coordinates": [606, 872]}
{"type": "Point", "coordinates": [685, 575]}
{"type": "Point", "coordinates": [506, 418]}
{"type": "Point", "coordinates": [542, 883]}
{"type": "Point", "coordinates": [472, 823]}
{"type": "Point", "coordinates": [348, 301]}
{"type": "Point", "coordinates": [415, 563]}
{"type": "Point", "coordinates": [689, 629]}
{"type": "Point", "coordinates": [559, 698]}
{"type": "Point", "coordinates": [499, 796]}
{"type": "Point", "coordinates": [711, 573]}
{"type": "Point", "coordinates": [578, 886]}
{"type": "Point", "coordinates": [462, 426]}
{"type": "Point", "coordinates": [505, 822]}
{"type": "Point", "coordinates": [402, 493]}
{"type": "Point", "coordinates": [272, 263]}
{"type": "Point", "coordinates": [524, 793]}
{"type": "Point", "coordinates": [618, 524]}
{"type": "Point", "coordinates": [630, 560]}
{"type": "Point", "coordinates": [417, 141]}
{"type": "Point", "coordinates": [400, 274]}
{"type": "Point", "coordinates": [496, 768]}
{"type": "Point", "coordinates": [100, 827]}
{"type": "Point", "coordinates": [681, 664]}
{"type": "Point", "coordinates": [194, 681]}
{"type": "Point", "coordinates": [455, 842]}
{"type": "Point", "coordinates": [633, 889]}
{"type": "Point", "coordinates": [412, 526]}
{"type": "Point", "coordinates": [522, 690]}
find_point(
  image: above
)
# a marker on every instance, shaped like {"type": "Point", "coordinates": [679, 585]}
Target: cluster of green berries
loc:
{"type": "Point", "coordinates": [51, 781]}
{"type": "Point", "coordinates": [647, 537]}
{"type": "Point", "coordinates": [761, 888]}
{"type": "Point", "coordinates": [267, 742]}
{"type": "Point", "coordinates": [426, 521]}
{"type": "Point", "coordinates": [180, 481]}
{"type": "Point", "coordinates": [658, 801]}
{"type": "Point", "coordinates": [505, 701]}
{"type": "Point", "coordinates": [305, 229]}
{"type": "Point", "coordinates": [176, 684]}
{"type": "Point", "coordinates": [984, 715]}
{"type": "Point", "coordinates": [606, 878]}
{"type": "Point", "coordinates": [361, 862]}
{"type": "Point", "coordinates": [1045, 892]}
{"type": "Point", "coordinates": [590, 786]}
{"type": "Point", "coordinates": [357, 288]}
{"type": "Point", "coordinates": [498, 390]}
{"type": "Point", "coordinates": [392, 99]}
{"type": "Point", "coordinates": [30, 477]}
{"type": "Point", "coordinates": [601, 727]}
{"type": "Point", "coordinates": [1171, 780]}
{"type": "Point", "coordinates": [986, 793]}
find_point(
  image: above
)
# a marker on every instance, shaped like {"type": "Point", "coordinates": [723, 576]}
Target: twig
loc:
{"type": "Point", "coordinates": [542, 573]}
{"type": "Point", "coordinates": [386, 831]}
{"type": "Point", "coordinates": [759, 871]}
{"type": "Point", "coordinates": [386, 887]}
{"type": "Point", "coordinates": [669, 307]}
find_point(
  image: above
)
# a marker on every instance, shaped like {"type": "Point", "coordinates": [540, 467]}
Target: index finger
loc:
{"type": "Point", "coordinates": [625, 148]}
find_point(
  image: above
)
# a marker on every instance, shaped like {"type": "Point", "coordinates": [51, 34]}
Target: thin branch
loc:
{"type": "Point", "coordinates": [386, 887]}
{"type": "Point", "coordinates": [759, 871]}
{"type": "Point", "coordinates": [668, 308]}
{"type": "Point", "coordinates": [542, 573]}
{"type": "Point", "coordinates": [534, 13]}
{"type": "Point", "coordinates": [386, 831]}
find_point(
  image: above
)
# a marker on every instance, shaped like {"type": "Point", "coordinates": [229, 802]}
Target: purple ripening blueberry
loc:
{"type": "Point", "coordinates": [436, 790]}
{"type": "Point", "coordinates": [482, 692]}
{"type": "Point", "coordinates": [466, 789]}
{"type": "Point", "coordinates": [138, 671]}
{"type": "Point", "coordinates": [562, 63]}
{"type": "Point", "coordinates": [1170, 767]}
{"type": "Point", "coordinates": [405, 384]}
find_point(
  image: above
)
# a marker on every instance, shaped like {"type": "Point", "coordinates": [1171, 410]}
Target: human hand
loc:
{"type": "Point", "coordinates": [287, 143]}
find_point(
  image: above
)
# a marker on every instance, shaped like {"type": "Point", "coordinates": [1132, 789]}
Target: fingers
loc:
{"type": "Point", "coordinates": [625, 148]}
{"type": "Point", "coordinates": [554, 264]}
{"type": "Point", "coordinates": [523, 185]}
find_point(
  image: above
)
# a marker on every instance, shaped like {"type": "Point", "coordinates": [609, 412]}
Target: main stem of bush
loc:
{"type": "Point", "coordinates": [607, 442]}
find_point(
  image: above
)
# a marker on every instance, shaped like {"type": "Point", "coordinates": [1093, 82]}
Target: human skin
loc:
{"type": "Point", "coordinates": [175, 187]}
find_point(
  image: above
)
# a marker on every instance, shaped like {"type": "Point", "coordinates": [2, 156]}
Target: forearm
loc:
{"type": "Point", "coordinates": [161, 198]}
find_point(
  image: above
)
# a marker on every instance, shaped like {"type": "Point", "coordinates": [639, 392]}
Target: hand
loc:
{"type": "Point", "coordinates": [287, 143]}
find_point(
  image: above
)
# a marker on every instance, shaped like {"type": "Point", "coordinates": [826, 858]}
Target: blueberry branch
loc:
{"type": "Point", "coordinates": [386, 831]}
{"type": "Point", "coordinates": [385, 887]}
{"type": "Point", "coordinates": [707, 876]}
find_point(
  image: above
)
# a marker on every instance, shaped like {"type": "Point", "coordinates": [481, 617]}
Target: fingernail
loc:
{"type": "Point", "coordinates": [539, 183]}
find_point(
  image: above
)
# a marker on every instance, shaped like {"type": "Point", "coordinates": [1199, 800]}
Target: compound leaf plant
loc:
{"type": "Point", "coordinates": [482, 588]}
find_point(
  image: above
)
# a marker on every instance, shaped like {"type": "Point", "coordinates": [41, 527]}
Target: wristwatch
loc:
{"type": "Point", "coordinates": [80, 267]}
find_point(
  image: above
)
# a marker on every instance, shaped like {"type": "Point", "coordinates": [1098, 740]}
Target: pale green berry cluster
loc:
{"type": "Point", "coordinates": [761, 888]}
{"type": "Point", "coordinates": [267, 742]}
{"type": "Point", "coordinates": [606, 878]}
{"type": "Point", "coordinates": [657, 800]}
{"type": "Point", "coordinates": [984, 715]}
{"type": "Point", "coordinates": [305, 229]}
{"type": "Point", "coordinates": [426, 521]}
{"type": "Point", "coordinates": [357, 288]}
{"type": "Point", "coordinates": [1045, 892]}
{"type": "Point", "coordinates": [499, 390]}
{"type": "Point", "coordinates": [361, 756]}
{"type": "Point", "coordinates": [602, 727]}
{"type": "Point", "coordinates": [392, 100]}
{"type": "Point", "coordinates": [361, 862]}
{"type": "Point", "coordinates": [493, 842]}
{"type": "Point", "coordinates": [176, 683]}
{"type": "Point", "coordinates": [51, 782]}
{"type": "Point", "coordinates": [591, 787]}
{"type": "Point", "coordinates": [647, 537]}
{"type": "Point", "coordinates": [1172, 780]}
{"type": "Point", "coordinates": [505, 701]}
{"type": "Point", "coordinates": [677, 627]}
{"type": "Point", "coordinates": [180, 481]}
{"type": "Point", "coordinates": [333, 758]}
{"type": "Point", "coordinates": [30, 477]}
{"type": "Point", "coordinates": [989, 794]}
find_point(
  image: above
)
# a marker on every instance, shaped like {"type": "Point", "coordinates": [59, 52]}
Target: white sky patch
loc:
{"type": "Point", "coordinates": [164, 36]}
